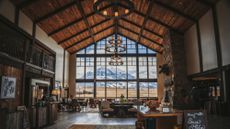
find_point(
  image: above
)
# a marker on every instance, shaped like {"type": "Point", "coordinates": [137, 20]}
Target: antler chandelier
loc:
{"type": "Point", "coordinates": [116, 60]}
{"type": "Point", "coordinates": [113, 8]}
{"type": "Point", "coordinates": [115, 46]}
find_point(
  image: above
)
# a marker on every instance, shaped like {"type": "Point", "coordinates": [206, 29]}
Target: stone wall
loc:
{"type": "Point", "coordinates": [174, 55]}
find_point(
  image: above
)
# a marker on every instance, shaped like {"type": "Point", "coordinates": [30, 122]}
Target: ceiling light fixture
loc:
{"type": "Point", "coordinates": [115, 47]}
{"type": "Point", "coordinates": [113, 8]}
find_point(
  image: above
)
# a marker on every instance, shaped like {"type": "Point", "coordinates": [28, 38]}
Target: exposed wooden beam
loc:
{"type": "Point", "coordinates": [199, 46]}
{"type": "Point", "coordinates": [174, 10]}
{"type": "Point", "coordinates": [61, 9]}
{"type": "Point", "coordinates": [155, 20]}
{"type": "Point", "coordinates": [80, 8]}
{"type": "Point", "coordinates": [74, 22]}
{"type": "Point", "coordinates": [140, 43]}
{"type": "Point", "coordinates": [89, 37]}
{"type": "Point", "coordinates": [74, 35]}
{"type": "Point", "coordinates": [149, 10]}
{"type": "Point", "coordinates": [159, 22]}
{"type": "Point", "coordinates": [26, 3]}
{"type": "Point", "coordinates": [206, 3]}
{"type": "Point", "coordinates": [125, 28]}
{"type": "Point", "coordinates": [148, 30]}
{"type": "Point", "coordinates": [91, 44]}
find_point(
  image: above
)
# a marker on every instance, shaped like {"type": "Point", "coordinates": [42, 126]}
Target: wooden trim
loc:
{"type": "Point", "coordinates": [217, 36]}
{"type": "Point", "coordinates": [26, 3]}
{"type": "Point", "coordinates": [204, 73]}
{"type": "Point", "coordinates": [137, 66]}
{"type": "Point", "coordinates": [15, 27]}
{"type": "Point", "coordinates": [218, 51]}
{"type": "Point", "coordinates": [199, 46]}
{"type": "Point", "coordinates": [16, 17]}
{"type": "Point", "coordinates": [205, 2]}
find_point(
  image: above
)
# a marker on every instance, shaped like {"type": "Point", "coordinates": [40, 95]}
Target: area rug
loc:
{"type": "Point", "coordinates": [102, 127]}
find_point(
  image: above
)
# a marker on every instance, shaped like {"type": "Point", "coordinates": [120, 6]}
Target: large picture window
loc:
{"type": "Point", "coordinates": [132, 79]}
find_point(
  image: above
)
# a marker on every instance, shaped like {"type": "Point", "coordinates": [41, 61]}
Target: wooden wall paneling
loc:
{"type": "Point", "coordinates": [10, 71]}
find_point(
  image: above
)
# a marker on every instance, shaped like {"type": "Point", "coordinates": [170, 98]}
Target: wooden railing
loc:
{"type": "Point", "coordinates": [18, 46]}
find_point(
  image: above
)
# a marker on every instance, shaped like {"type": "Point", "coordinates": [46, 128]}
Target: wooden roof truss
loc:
{"type": "Point", "coordinates": [74, 24]}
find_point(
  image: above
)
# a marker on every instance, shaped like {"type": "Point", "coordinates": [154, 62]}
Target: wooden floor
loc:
{"type": "Point", "coordinates": [66, 119]}
{"type": "Point", "coordinates": [218, 122]}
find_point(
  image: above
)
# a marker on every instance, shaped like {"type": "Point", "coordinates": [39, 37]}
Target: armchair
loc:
{"type": "Point", "coordinates": [92, 103]}
{"type": "Point", "coordinates": [105, 109]}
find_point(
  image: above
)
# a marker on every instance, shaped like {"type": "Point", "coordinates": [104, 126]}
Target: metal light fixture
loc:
{"type": "Point", "coordinates": [115, 47]}
{"type": "Point", "coordinates": [113, 8]}
{"type": "Point", "coordinates": [116, 60]}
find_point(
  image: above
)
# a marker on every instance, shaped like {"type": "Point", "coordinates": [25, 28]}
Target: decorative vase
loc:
{"type": "Point", "coordinates": [153, 105]}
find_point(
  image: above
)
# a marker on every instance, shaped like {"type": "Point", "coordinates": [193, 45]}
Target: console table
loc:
{"type": "Point", "coordinates": [121, 109]}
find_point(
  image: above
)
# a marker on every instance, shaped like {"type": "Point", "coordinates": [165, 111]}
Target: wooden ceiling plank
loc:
{"type": "Point", "coordinates": [154, 20]}
{"type": "Point", "coordinates": [89, 36]}
{"type": "Point", "coordinates": [160, 3]}
{"type": "Point", "coordinates": [125, 28]}
{"type": "Point", "coordinates": [206, 3]}
{"type": "Point", "coordinates": [152, 32]}
{"type": "Point", "coordinates": [85, 19]}
{"type": "Point", "coordinates": [149, 10]}
{"type": "Point", "coordinates": [104, 21]}
{"type": "Point", "coordinates": [61, 9]}
{"type": "Point", "coordinates": [140, 43]}
{"type": "Point", "coordinates": [26, 3]}
{"type": "Point", "coordinates": [91, 44]}
{"type": "Point", "coordinates": [159, 22]}
{"type": "Point", "coordinates": [74, 22]}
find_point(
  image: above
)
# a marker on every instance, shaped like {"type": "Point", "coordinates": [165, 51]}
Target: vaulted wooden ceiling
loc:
{"type": "Point", "coordinates": [75, 25]}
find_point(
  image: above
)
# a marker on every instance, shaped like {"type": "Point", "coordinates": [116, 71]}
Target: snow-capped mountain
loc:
{"type": "Point", "coordinates": [113, 74]}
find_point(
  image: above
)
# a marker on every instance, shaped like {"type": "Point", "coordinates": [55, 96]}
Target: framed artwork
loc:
{"type": "Point", "coordinates": [8, 87]}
